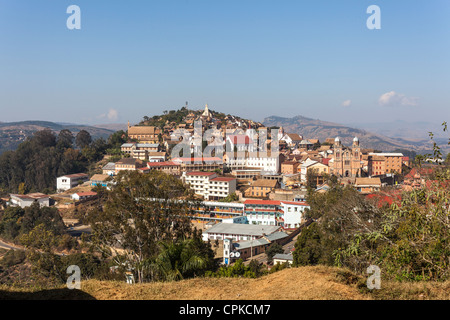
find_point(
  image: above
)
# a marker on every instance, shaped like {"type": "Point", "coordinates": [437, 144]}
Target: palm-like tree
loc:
{"type": "Point", "coordinates": [177, 260]}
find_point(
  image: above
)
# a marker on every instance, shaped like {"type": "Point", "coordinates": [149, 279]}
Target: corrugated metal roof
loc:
{"type": "Point", "coordinates": [283, 256]}
{"type": "Point", "coordinates": [242, 229]}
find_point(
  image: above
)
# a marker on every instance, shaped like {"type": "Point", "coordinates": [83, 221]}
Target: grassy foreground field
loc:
{"type": "Point", "coordinates": [305, 283]}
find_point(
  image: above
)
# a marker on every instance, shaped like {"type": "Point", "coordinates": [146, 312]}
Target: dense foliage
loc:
{"type": "Point", "coordinates": [408, 239]}
{"type": "Point", "coordinates": [142, 224]}
{"type": "Point", "coordinates": [39, 160]}
{"type": "Point", "coordinates": [16, 222]}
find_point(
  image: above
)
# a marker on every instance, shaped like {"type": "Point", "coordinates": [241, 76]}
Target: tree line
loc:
{"type": "Point", "coordinates": [38, 161]}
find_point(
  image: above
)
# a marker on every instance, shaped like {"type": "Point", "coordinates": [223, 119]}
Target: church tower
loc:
{"type": "Point", "coordinates": [337, 148]}
{"type": "Point", "coordinates": [206, 113]}
{"type": "Point", "coordinates": [356, 157]}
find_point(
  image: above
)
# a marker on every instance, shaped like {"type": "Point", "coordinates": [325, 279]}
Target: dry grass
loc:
{"type": "Point", "coordinates": [305, 283]}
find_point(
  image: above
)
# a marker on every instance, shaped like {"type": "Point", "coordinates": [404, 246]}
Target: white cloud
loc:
{"type": "Point", "coordinates": [112, 115]}
{"type": "Point", "coordinates": [347, 103]}
{"type": "Point", "coordinates": [397, 99]}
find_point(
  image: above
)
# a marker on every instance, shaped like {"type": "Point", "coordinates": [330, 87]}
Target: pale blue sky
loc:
{"type": "Point", "coordinates": [253, 58]}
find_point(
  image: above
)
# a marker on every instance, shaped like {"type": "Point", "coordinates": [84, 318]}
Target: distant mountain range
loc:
{"type": "Point", "coordinates": [14, 133]}
{"type": "Point", "coordinates": [414, 131]}
{"type": "Point", "coordinates": [318, 129]}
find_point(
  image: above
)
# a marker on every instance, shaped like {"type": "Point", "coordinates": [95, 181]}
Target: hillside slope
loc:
{"type": "Point", "coordinates": [14, 133]}
{"type": "Point", "coordinates": [311, 128]}
{"type": "Point", "coordinates": [303, 283]}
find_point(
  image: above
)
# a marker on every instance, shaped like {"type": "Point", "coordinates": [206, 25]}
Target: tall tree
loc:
{"type": "Point", "coordinates": [65, 139]}
{"type": "Point", "coordinates": [139, 213]}
{"type": "Point", "coordinates": [83, 139]}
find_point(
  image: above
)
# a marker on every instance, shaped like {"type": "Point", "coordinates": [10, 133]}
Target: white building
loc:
{"type": "Point", "coordinates": [26, 200]}
{"type": "Point", "coordinates": [292, 139]}
{"type": "Point", "coordinates": [241, 142]}
{"type": "Point", "coordinates": [266, 162]}
{"type": "Point", "coordinates": [293, 213]}
{"type": "Point", "coordinates": [83, 195]}
{"type": "Point", "coordinates": [283, 258]}
{"type": "Point", "coordinates": [238, 232]}
{"type": "Point", "coordinates": [287, 214]}
{"type": "Point", "coordinates": [304, 168]}
{"type": "Point", "coordinates": [241, 220]}
{"type": "Point", "coordinates": [209, 185]}
{"type": "Point", "coordinates": [70, 181]}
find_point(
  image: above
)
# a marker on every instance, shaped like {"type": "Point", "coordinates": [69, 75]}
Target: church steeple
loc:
{"type": "Point", "coordinates": [206, 113]}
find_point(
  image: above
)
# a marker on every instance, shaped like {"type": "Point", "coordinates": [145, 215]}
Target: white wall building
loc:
{"type": "Point", "coordinates": [237, 232]}
{"type": "Point", "coordinates": [293, 213]}
{"type": "Point", "coordinates": [287, 214]}
{"type": "Point", "coordinates": [209, 185]}
{"type": "Point", "coordinates": [304, 168]}
{"type": "Point", "coordinates": [70, 181]}
{"type": "Point", "coordinates": [26, 200]}
{"type": "Point", "coordinates": [267, 163]}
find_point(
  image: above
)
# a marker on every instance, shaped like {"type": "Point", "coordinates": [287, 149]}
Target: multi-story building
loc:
{"type": "Point", "coordinates": [144, 134]}
{"type": "Point", "coordinates": [139, 150]}
{"type": "Point", "coordinates": [238, 232]}
{"type": "Point", "coordinates": [346, 160]}
{"type": "Point", "coordinates": [290, 167]}
{"type": "Point", "coordinates": [168, 167]}
{"type": "Point", "coordinates": [213, 211]}
{"type": "Point", "coordinates": [70, 181]}
{"type": "Point", "coordinates": [392, 162]}
{"type": "Point", "coordinates": [376, 165]}
{"type": "Point", "coordinates": [287, 214]}
{"type": "Point", "coordinates": [261, 188]}
{"type": "Point", "coordinates": [109, 169]}
{"type": "Point", "coordinates": [319, 169]}
{"type": "Point", "coordinates": [266, 162]}
{"type": "Point", "coordinates": [130, 164]}
{"type": "Point", "coordinates": [209, 185]}
{"type": "Point", "coordinates": [199, 164]}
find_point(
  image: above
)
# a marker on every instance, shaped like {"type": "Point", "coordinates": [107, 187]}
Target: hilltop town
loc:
{"type": "Point", "coordinates": [253, 183]}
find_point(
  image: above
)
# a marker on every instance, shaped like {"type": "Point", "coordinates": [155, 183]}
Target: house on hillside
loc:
{"type": "Point", "coordinates": [83, 195]}
{"type": "Point", "coordinates": [26, 200]}
{"type": "Point", "coordinates": [70, 181]}
{"type": "Point", "coordinates": [368, 185]}
{"type": "Point", "coordinates": [292, 139]}
{"type": "Point", "coordinates": [261, 188]}
{"type": "Point", "coordinates": [109, 169]}
{"type": "Point", "coordinates": [281, 258]}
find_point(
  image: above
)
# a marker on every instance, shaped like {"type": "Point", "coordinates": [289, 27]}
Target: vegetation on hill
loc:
{"type": "Point", "coordinates": [14, 133]}
{"type": "Point", "coordinates": [140, 225]}
{"type": "Point", "coordinates": [39, 160]}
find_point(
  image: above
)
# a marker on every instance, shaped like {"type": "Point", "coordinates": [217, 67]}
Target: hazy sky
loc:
{"type": "Point", "coordinates": [253, 58]}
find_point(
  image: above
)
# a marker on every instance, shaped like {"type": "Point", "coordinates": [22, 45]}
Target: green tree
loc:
{"type": "Point", "coordinates": [83, 139]}
{"type": "Point", "coordinates": [65, 139]}
{"type": "Point", "coordinates": [308, 247]}
{"type": "Point", "coordinates": [273, 249]}
{"type": "Point", "coordinates": [139, 213]}
{"type": "Point", "coordinates": [180, 259]}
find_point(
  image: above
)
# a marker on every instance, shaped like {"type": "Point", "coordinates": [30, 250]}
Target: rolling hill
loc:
{"type": "Point", "coordinates": [318, 129]}
{"type": "Point", "coordinates": [13, 133]}
{"type": "Point", "coordinates": [303, 283]}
